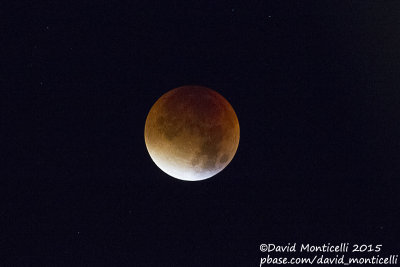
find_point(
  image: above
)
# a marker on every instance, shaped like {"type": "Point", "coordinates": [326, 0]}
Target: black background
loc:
{"type": "Point", "coordinates": [315, 86]}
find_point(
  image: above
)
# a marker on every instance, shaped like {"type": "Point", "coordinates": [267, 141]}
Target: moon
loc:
{"type": "Point", "coordinates": [192, 133]}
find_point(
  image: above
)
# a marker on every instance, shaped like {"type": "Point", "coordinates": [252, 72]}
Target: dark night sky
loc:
{"type": "Point", "coordinates": [316, 90]}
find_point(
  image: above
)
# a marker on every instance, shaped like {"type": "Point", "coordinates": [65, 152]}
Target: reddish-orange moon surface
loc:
{"type": "Point", "coordinates": [192, 133]}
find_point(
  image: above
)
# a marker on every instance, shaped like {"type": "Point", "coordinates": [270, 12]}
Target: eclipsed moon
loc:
{"type": "Point", "coordinates": [192, 133]}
